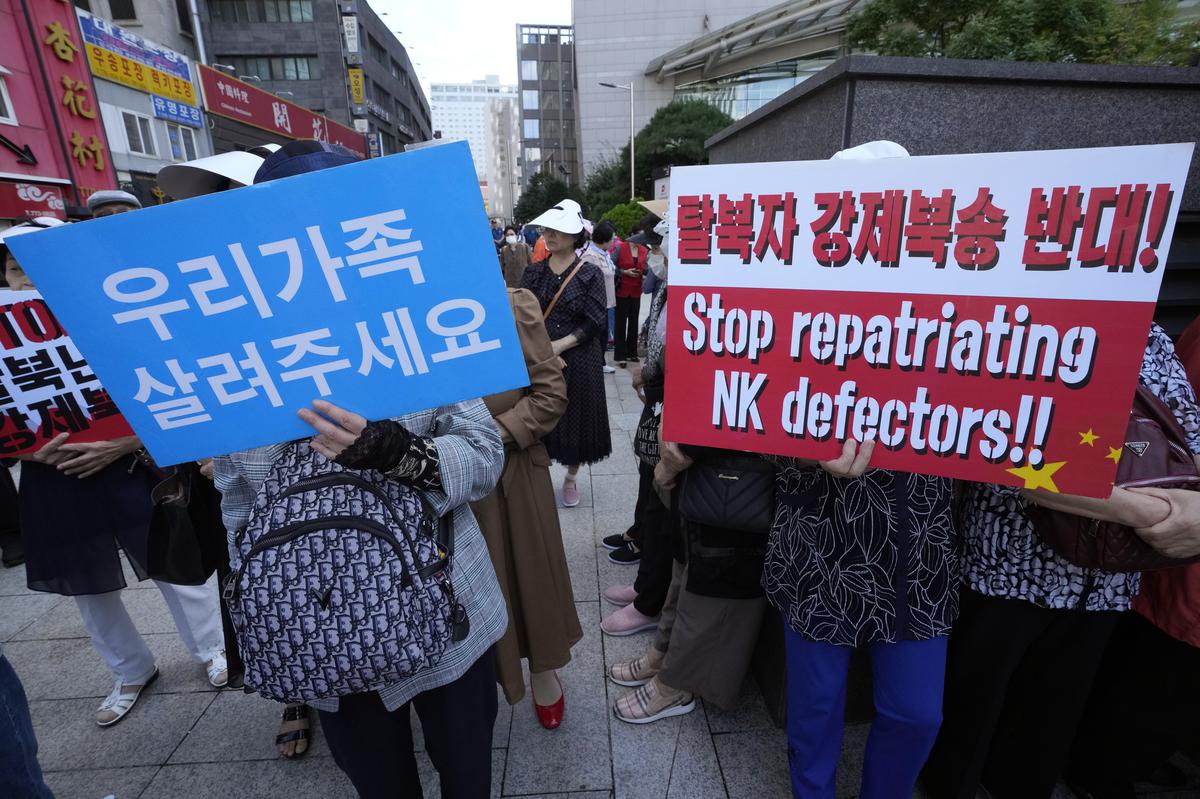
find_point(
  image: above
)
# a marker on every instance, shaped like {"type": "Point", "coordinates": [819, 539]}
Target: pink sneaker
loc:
{"type": "Point", "coordinates": [570, 494]}
{"type": "Point", "coordinates": [619, 595]}
{"type": "Point", "coordinates": [627, 621]}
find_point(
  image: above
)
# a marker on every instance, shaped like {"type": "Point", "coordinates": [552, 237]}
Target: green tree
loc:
{"type": "Point", "coordinates": [1084, 31]}
{"type": "Point", "coordinates": [544, 191]}
{"type": "Point", "coordinates": [624, 216]}
{"type": "Point", "coordinates": [674, 136]}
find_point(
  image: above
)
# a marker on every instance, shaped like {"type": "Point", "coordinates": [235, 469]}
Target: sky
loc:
{"type": "Point", "coordinates": [457, 41]}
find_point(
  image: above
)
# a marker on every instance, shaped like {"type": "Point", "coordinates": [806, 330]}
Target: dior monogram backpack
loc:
{"type": "Point", "coordinates": [340, 582]}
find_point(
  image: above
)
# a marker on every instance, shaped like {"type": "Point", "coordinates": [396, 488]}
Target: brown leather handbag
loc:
{"type": "Point", "coordinates": [1155, 455]}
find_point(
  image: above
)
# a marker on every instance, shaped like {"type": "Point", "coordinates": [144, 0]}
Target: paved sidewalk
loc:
{"type": "Point", "coordinates": [186, 739]}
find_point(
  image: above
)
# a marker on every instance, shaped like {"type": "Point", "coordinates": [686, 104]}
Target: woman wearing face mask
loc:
{"type": "Point", "coordinates": [515, 256]}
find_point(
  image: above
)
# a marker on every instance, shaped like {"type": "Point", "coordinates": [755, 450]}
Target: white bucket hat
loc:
{"type": "Point", "coordinates": [872, 149]}
{"type": "Point", "coordinates": [564, 217]}
{"type": "Point", "coordinates": [213, 173]}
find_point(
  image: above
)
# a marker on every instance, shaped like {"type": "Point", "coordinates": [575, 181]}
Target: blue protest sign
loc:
{"type": "Point", "coordinates": [211, 321]}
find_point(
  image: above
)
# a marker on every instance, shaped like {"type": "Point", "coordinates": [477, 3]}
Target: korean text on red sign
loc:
{"type": "Point", "coordinates": [981, 316]}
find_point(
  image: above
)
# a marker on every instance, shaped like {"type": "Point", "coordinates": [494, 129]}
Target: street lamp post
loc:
{"type": "Point", "coordinates": [632, 192]}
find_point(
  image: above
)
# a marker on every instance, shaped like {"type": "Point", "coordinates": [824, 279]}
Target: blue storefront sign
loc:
{"type": "Point", "coordinates": [213, 320]}
{"type": "Point", "coordinates": [175, 111]}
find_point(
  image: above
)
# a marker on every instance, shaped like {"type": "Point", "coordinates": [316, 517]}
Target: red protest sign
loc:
{"type": "Point", "coordinates": [46, 386]}
{"type": "Point", "coordinates": [983, 317]}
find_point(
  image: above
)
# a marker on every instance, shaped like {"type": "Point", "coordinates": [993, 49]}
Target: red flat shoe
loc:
{"type": "Point", "coordinates": [551, 716]}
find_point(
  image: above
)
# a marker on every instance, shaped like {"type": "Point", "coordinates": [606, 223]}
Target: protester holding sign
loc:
{"type": "Point", "coordinates": [520, 523]}
{"type": "Point", "coordinates": [571, 292]}
{"type": "Point", "coordinates": [80, 503]}
{"type": "Point", "coordinates": [450, 455]}
{"type": "Point", "coordinates": [1034, 625]}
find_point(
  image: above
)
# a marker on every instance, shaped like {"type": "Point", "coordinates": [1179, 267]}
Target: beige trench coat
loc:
{"type": "Point", "coordinates": [519, 518]}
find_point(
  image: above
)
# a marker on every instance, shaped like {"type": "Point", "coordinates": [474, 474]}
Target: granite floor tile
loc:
{"type": "Point", "coordinates": [68, 737]}
{"type": "Point", "coordinates": [310, 778]}
{"type": "Point", "coordinates": [120, 783]}
{"type": "Point", "coordinates": [576, 756]}
{"type": "Point", "coordinates": [581, 561]}
{"type": "Point", "coordinates": [695, 772]}
{"type": "Point", "coordinates": [615, 491]}
{"type": "Point", "coordinates": [12, 581]}
{"type": "Point", "coordinates": [625, 421]}
{"type": "Point", "coordinates": [572, 795]}
{"type": "Point", "coordinates": [147, 609]}
{"type": "Point", "coordinates": [19, 613]}
{"type": "Point", "coordinates": [239, 726]}
{"type": "Point", "coordinates": [754, 764]}
{"type": "Point", "coordinates": [642, 753]}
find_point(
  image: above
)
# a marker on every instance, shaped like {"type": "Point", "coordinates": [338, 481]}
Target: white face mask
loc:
{"type": "Point", "coordinates": [511, 239]}
{"type": "Point", "coordinates": [658, 265]}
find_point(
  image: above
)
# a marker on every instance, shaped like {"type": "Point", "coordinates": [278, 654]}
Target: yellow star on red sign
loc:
{"type": "Point", "coordinates": [1114, 454]}
{"type": "Point", "coordinates": [1088, 438]}
{"type": "Point", "coordinates": [1042, 477]}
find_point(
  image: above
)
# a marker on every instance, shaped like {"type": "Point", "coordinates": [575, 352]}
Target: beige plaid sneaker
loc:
{"type": "Point", "coordinates": [652, 702]}
{"type": "Point", "coordinates": [634, 673]}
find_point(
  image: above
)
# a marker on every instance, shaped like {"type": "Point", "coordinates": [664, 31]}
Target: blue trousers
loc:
{"type": "Point", "coordinates": [612, 323]}
{"type": "Point", "coordinates": [908, 678]}
{"type": "Point", "coordinates": [20, 774]}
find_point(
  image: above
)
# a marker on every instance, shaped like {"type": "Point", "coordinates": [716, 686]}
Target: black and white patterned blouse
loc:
{"type": "Point", "coordinates": [852, 562]}
{"type": "Point", "coordinates": [1005, 557]}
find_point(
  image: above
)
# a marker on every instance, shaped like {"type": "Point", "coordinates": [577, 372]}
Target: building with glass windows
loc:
{"type": "Point", "coordinates": [463, 111]}
{"type": "Point", "coordinates": [337, 59]}
{"type": "Point", "coordinates": [549, 118]}
{"type": "Point", "coordinates": [736, 54]}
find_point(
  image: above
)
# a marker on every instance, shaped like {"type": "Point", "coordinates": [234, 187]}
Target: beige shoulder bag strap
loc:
{"type": "Point", "coordinates": [562, 288]}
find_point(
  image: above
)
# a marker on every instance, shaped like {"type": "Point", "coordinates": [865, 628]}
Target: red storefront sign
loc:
{"type": "Point", "coordinates": [71, 94]}
{"type": "Point", "coordinates": [237, 100]}
{"type": "Point", "coordinates": [27, 200]}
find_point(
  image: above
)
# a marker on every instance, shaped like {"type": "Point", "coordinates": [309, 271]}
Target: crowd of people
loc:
{"type": "Point", "coordinates": [997, 663]}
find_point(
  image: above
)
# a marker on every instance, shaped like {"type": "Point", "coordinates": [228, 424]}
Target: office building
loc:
{"type": "Point", "coordinates": [461, 111]}
{"type": "Point", "coordinates": [504, 156]}
{"type": "Point", "coordinates": [549, 121]}
{"type": "Point", "coordinates": [338, 59]}
{"type": "Point", "coordinates": [736, 54]}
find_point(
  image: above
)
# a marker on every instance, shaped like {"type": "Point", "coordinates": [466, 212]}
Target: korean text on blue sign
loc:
{"type": "Point", "coordinates": [104, 34]}
{"type": "Point", "coordinates": [183, 113]}
{"type": "Point", "coordinates": [212, 321]}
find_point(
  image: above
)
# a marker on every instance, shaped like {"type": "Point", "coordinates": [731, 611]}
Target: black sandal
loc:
{"type": "Point", "coordinates": [295, 713]}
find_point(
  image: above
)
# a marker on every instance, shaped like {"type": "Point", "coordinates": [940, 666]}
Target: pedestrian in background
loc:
{"type": "Point", "coordinates": [571, 293]}
{"type": "Point", "coordinates": [515, 257]}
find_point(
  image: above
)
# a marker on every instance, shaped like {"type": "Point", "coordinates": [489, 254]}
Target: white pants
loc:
{"type": "Point", "coordinates": [194, 608]}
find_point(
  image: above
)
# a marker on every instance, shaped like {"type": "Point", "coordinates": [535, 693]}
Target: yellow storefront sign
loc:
{"type": "Point", "coordinates": [357, 95]}
{"type": "Point", "coordinates": [115, 67]}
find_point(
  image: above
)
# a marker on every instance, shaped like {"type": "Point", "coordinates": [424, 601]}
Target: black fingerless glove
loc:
{"type": "Point", "coordinates": [389, 447]}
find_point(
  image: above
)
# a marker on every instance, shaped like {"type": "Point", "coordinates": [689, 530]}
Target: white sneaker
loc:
{"type": "Point", "coordinates": [122, 699]}
{"type": "Point", "coordinates": [608, 370]}
{"type": "Point", "coordinates": [218, 671]}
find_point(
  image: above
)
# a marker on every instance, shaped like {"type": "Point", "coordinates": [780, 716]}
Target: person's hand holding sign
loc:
{"type": "Point", "coordinates": [337, 428]}
{"type": "Point", "coordinates": [86, 460]}
{"type": "Point", "coordinates": [853, 461]}
{"type": "Point", "coordinates": [352, 441]}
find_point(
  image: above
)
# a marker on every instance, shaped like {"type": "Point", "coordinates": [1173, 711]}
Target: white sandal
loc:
{"type": "Point", "coordinates": [118, 703]}
{"type": "Point", "coordinates": [218, 670]}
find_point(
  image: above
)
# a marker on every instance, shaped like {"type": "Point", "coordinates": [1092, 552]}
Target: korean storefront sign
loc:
{"type": "Point", "coordinates": [61, 51]}
{"type": "Point", "coordinates": [981, 316]}
{"type": "Point", "coordinates": [46, 387]}
{"type": "Point", "coordinates": [357, 93]}
{"type": "Point", "coordinates": [122, 57]}
{"type": "Point", "coordinates": [173, 111]}
{"type": "Point", "coordinates": [373, 285]}
{"type": "Point", "coordinates": [237, 100]}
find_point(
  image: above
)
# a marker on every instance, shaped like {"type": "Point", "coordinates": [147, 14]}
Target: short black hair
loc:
{"type": "Point", "coordinates": [581, 239]}
{"type": "Point", "coordinates": [508, 228]}
{"type": "Point", "coordinates": [603, 233]}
